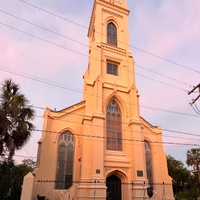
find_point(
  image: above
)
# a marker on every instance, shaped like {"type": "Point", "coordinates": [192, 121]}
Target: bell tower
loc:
{"type": "Point", "coordinates": [117, 151]}
{"type": "Point", "coordinates": [100, 148]}
{"type": "Point", "coordinates": [111, 64]}
{"type": "Point", "coordinates": [110, 81]}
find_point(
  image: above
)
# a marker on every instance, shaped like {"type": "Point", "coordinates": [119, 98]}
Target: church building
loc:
{"type": "Point", "coordinates": [101, 148]}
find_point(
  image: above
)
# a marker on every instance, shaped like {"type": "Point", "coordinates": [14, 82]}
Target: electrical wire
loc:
{"type": "Point", "coordinates": [42, 27]}
{"type": "Point", "coordinates": [45, 40]}
{"type": "Point", "coordinates": [123, 139]}
{"type": "Point", "coordinates": [149, 70]}
{"type": "Point", "coordinates": [39, 79]}
{"type": "Point", "coordinates": [23, 156]}
{"type": "Point", "coordinates": [161, 82]}
{"type": "Point", "coordinates": [45, 81]}
{"type": "Point", "coordinates": [168, 77]}
{"type": "Point", "coordinates": [86, 45]}
{"type": "Point", "coordinates": [139, 49]}
{"type": "Point", "coordinates": [126, 131]}
{"type": "Point", "coordinates": [61, 35]}
{"type": "Point", "coordinates": [80, 115]}
{"type": "Point", "coordinates": [66, 48]}
{"type": "Point", "coordinates": [151, 108]}
{"type": "Point", "coordinates": [166, 143]}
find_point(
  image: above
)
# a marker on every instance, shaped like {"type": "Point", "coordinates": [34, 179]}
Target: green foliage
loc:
{"type": "Point", "coordinates": [184, 184]}
{"type": "Point", "coordinates": [11, 179]}
{"type": "Point", "coordinates": [187, 195]}
{"type": "Point", "coordinates": [15, 117]}
{"type": "Point", "coordinates": [193, 158]}
{"type": "Point", "coordinates": [29, 163]}
{"type": "Point", "coordinates": [177, 170]}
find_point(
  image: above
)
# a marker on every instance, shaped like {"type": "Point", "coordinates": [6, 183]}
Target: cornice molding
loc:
{"type": "Point", "coordinates": [113, 49]}
{"type": "Point", "coordinates": [112, 13]}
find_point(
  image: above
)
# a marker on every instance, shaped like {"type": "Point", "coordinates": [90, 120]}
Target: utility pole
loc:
{"type": "Point", "coordinates": [194, 100]}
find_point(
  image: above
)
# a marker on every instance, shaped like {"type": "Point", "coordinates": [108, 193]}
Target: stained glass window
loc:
{"type": "Point", "coordinates": [113, 127]}
{"type": "Point", "coordinates": [112, 34]}
{"type": "Point", "coordinates": [65, 162]}
{"type": "Point", "coordinates": [148, 163]}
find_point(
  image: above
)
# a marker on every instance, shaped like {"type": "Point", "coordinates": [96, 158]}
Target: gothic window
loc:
{"type": "Point", "coordinates": [148, 163]}
{"type": "Point", "coordinates": [111, 34]}
{"type": "Point", "coordinates": [113, 127]}
{"type": "Point", "coordinates": [65, 162]}
{"type": "Point", "coordinates": [112, 69]}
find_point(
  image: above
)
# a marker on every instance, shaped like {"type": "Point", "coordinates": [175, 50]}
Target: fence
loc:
{"type": "Point", "coordinates": [45, 189]}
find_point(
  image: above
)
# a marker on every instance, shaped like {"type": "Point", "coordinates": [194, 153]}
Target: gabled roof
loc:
{"type": "Point", "coordinates": [65, 111]}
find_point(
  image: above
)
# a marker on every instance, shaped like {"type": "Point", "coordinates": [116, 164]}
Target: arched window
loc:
{"type": "Point", "coordinates": [112, 34]}
{"type": "Point", "coordinates": [65, 162]}
{"type": "Point", "coordinates": [148, 163]}
{"type": "Point", "coordinates": [113, 127]}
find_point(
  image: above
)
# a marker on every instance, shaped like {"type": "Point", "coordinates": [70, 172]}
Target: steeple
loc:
{"type": "Point", "coordinates": [109, 10]}
{"type": "Point", "coordinates": [99, 144]}
{"type": "Point", "coordinates": [111, 65]}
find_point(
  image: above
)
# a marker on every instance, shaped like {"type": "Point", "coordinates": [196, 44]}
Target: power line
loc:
{"type": "Point", "coordinates": [125, 130]}
{"type": "Point", "coordinates": [42, 27]}
{"type": "Point", "coordinates": [55, 44]}
{"type": "Point", "coordinates": [128, 140]}
{"type": "Point", "coordinates": [93, 137]}
{"type": "Point", "coordinates": [162, 75]}
{"type": "Point", "coordinates": [97, 137]}
{"type": "Point", "coordinates": [197, 110]}
{"type": "Point", "coordinates": [54, 14]}
{"type": "Point", "coordinates": [169, 111]}
{"type": "Point", "coordinates": [181, 113]}
{"type": "Point", "coordinates": [180, 138]}
{"type": "Point", "coordinates": [23, 156]}
{"type": "Point", "coordinates": [61, 46]}
{"type": "Point", "coordinates": [139, 49]}
{"type": "Point", "coordinates": [39, 79]}
{"type": "Point", "coordinates": [59, 86]}
{"type": "Point", "coordinates": [180, 132]}
{"type": "Point", "coordinates": [37, 107]}
{"type": "Point", "coordinates": [2, 68]}
{"type": "Point", "coordinates": [167, 60]}
{"type": "Point", "coordinates": [92, 125]}
{"type": "Point", "coordinates": [61, 35]}
{"type": "Point", "coordinates": [80, 115]}
{"type": "Point", "coordinates": [161, 82]}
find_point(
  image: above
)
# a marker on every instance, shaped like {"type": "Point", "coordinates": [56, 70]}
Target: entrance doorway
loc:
{"type": "Point", "coordinates": [113, 184]}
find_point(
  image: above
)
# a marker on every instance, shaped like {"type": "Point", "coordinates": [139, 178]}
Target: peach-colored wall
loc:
{"type": "Point", "coordinates": [86, 120]}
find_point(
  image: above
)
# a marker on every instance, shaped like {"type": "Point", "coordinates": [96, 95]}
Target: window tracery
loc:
{"type": "Point", "coordinates": [112, 34]}
{"type": "Point", "coordinates": [113, 127]}
{"type": "Point", "coordinates": [65, 162]}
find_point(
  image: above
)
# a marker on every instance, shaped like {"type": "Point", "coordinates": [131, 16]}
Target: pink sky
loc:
{"type": "Point", "coordinates": [169, 29]}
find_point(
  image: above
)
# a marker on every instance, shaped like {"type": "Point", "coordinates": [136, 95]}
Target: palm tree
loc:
{"type": "Point", "coordinates": [193, 159]}
{"type": "Point", "coordinates": [15, 116]}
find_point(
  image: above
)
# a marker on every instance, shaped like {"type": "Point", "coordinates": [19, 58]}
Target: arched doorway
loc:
{"type": "Point", "coordinates": [113, 184]}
